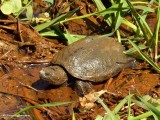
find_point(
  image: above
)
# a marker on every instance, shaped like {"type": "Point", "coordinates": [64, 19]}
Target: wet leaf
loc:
{"type": "Point", "coordinates": [88, 101]}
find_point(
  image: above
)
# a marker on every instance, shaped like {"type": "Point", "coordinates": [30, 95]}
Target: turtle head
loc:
{"type": "Point", "coordinates": [54, 75]}
{"type": "Point", "coordinates": [131, 62]}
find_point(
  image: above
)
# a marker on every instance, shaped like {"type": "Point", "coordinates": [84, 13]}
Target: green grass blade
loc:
{"type": "Point", "coordinates": [154, 41]}
{"type": "Point", "coordinates": [55, 20]}
{"type": "Point", "coordinates": [70, 13]}
{"type": "Point", "coordinates": [73, 116]}
{"type": "Point", "coordinates": [145, 57]}
{"type": "Point", "coordinates": [63, 9]}
{"type": "Point", "coordinates": [43, 105]}
{"type": "Point", "coordinates": [132, 50]}
{"type": "Point", "coordinates": [119, 15]}
{"type": "Point", "coordinates": [151, 108]}
{"type": "Point", "coordinates": [116, 20]}
{"type": "Point", "coordinates": [131, 25]}
{"type": "Point", "coordinates": [110, 113]}
{"type": "Point", "coordinates": [144, 8]}
{"type": "Point", "coordinates": [121, 104]}
{"type": "Point", "coordinates": [69, 38]}
{"type": "Point", "coordinates": [47, 24]}
{"type": "Point", "coordinates": [144, 115]}
{"type": "Point", "coordinates": [118, 108]}
{"type": "Point", "coordinates": [142, 105]}
{"type": "Point", "coordinates": [136, 16]}
{"type": "Point", "coordinates": [110, 10]}
{"type": "Point", "coordinates": [99, 5]}
{"type": "Point", "coordinates": [129, 108]}
{"type": "Point", "coordinates": [146, 27]}
{"type": "Point", "coordinates": [155, 33]}
{"type": "Point", "coordinates": [53, 33]}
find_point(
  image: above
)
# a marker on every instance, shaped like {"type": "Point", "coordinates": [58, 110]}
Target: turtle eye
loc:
{"type": "Point", "coordinates": [47, 74]}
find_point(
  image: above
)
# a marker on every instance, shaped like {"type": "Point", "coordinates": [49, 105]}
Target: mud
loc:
{"type": "Point", "coordinates": [23, 52]}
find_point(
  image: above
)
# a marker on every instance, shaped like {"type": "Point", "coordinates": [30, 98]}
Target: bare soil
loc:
{"type": "Point", "coordinates": [23, 52]}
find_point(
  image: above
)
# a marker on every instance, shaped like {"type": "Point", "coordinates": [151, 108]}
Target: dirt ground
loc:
{"type": "Point", "coordinates": [23, 52]}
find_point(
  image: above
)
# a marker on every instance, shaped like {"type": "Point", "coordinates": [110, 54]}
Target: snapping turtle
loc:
{"type": "Point", "coordinates": [94, 59]}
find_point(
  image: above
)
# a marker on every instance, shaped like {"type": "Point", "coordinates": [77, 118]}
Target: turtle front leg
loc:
{"type": "Point", "coordinates": [82, 87]}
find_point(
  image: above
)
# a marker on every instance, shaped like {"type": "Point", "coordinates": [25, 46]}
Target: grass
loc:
{"type": "Point", "coordinates": [24, 110]}
{"type": "Point", "coordinates": [147, 47]}
{"type": "Point", "coordinates": [114, 16]}
{"type": "Point", "coordinates": [149, 109]}
{"type": "Point", "coordinates": [147, 103]}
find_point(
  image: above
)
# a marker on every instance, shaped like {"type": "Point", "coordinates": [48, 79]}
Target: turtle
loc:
{"type": "Point", "coordinates": [91, 59]}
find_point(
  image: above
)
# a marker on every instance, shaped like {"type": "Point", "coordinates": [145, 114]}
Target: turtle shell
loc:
{"type": "Point", "coordinates": [94, 58]}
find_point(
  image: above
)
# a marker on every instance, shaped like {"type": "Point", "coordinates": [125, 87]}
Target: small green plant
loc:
{"type": "Point", "coordinates": [10, 6]}
{"type": "Point", "coordinates": [16, 7]}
